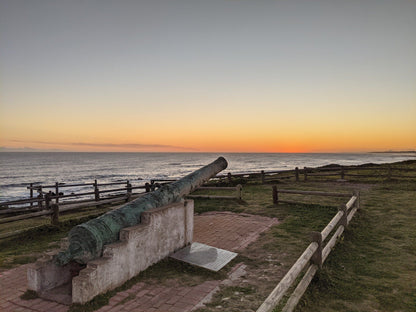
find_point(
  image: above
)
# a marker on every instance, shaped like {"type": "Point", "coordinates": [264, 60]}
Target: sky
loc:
{"type": "Point", "coordinates": [208, 76]}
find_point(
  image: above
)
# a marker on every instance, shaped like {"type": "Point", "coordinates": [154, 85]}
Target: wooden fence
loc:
{"type": "Point", "coordinates": [341, 172]}
{"type": "Point", "coordinates": [314, 255]}
{"type": "Point", "coordinates": [99, 194]}
{"type": "Point", "coordinates": [46, 196]}
{"type": "Point", "coordinates": [237, 189]}
{"type": "Point", "coordinates": [374, 171]}
{"type": "Point", "coordinates": [261, 176]}
{"type": "Point", "coordinates": [53, 203]}
{"type": "Point", "coordinates": [277, 200]}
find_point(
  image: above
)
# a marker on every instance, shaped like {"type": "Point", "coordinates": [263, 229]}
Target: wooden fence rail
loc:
{"type": "Point", "coordinates": [263, 176]}
{"type": "Point", "coordinates": [68, 207]}
{"type": "Point", "coordinates": [313, 257]}
{"type": "Point", "coordinates": [341, 171]}
{"type": "Point", "coordinates": [56, 209]}
{"type": "Point", "coordinates": [44, 198]}
{"type": "Point", "coordinates": [276, 192]}
{"type": "Point", "coordinates": [52, 204]}
{"type": "Point", "coordinates": [345, 171]}
{"type": "Point", "coordinates": [237, 189]}
{"type": "Point", "coordinates": [46, 206]}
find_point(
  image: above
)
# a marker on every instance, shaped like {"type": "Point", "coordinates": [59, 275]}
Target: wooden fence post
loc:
{"type": "Point", "coordinates": [129, 188]}
{"type": "Point", "coordinates": [129, 191]}
{"type": "Point", "coordinates": [357, 202]}
{"type": "Point", "coordinates": [275, 195]}
{"type": "Point", "coordinates": [263, 178]}
{"type": "Point", "coordinates": [96, 191]}
{"type": "Point", "coordinates": [297, 174]}
{"type": "Point", "coordinates": [55, 214]}
{"type": "Point", "coordinates": [47, 200]}
{"type": "Point", "coordinates": [342, 173]}
{"type": "Point", "coordinates": [229, 177]}
{"type": "Point", "coordinates": [57, 192]}
{"type": "Point", "coordinates": [239, 189]}
{"type": "Point", "coordinates": [344, 219]}
{"type": "Point", "coordinates": [152, 185]}
{"type": "Point", "coordinates": [317, 256]}
{"type": "Point", "coordinates": [40, 196]}
{"type": "Point", "coordinates": [147, 187]}
{"type": "Point", "coordinates": [305, 173]}
{"type": "Point", "coordinates": [31, 194]}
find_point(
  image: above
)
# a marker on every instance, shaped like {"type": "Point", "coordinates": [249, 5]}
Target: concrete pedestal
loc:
{"type": "Point", "coordinates": [161, 232]}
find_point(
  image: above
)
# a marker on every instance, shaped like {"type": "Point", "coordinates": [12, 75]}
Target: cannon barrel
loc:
{"type": "Point", "coordinates": [86, 241]}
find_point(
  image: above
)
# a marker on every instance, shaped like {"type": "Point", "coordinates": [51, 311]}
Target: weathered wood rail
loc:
{"type": "Point", "coordinates": [314, 255]}
{"type": "Point", "coordinates": [261, 176]}
{"type": "Point", "coordinates": [276, 192]}
{"type": "Point", "coordinates": [342, 172]}
{"type": "Point", "coordinates": [237, 189]}
{"type": "Point", "coordinates": [46, 197]}
{"type": "Point", "coordinates": [54, 204]}
{"type": "Point", "coordinates": [371, 171]}
{"type": "Point", "coordinates": [56, 194]}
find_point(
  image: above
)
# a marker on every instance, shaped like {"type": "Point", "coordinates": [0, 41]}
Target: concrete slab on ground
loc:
{"type": "Point", "coordinates": [204, 256]}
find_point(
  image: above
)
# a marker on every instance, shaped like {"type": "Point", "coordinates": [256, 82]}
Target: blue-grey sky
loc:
{"type": "Point", "coordinates": [228, 75]}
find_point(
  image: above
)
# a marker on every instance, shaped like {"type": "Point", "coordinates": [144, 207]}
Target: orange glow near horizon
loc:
{"type": "Point", "coordinates": [203, 131]}
{"type": "Point", "coordinates": [219, 141]}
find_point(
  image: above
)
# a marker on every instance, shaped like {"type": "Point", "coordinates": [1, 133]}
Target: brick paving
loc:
{"type": "Point", "coordinates": [230, 231]}
{"type": "Point", "coordinates": [224, 230]}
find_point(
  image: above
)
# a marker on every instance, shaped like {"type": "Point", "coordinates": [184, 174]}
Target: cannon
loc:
{"type": "Point", "coordinates": [86, 241]}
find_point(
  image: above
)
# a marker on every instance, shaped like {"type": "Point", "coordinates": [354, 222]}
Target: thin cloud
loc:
{"type": "Point", "coordinates": [111, 145]}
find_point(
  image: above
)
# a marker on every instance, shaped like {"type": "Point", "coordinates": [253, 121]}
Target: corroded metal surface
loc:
{"type": "Point", "coordinates": [86, 240]}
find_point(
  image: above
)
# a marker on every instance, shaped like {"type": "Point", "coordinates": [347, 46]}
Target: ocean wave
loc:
{"type": "Point", "coordinates": [14, 177]}
{"type": "Point", "coordinates": [102, 176]}
{"type": "Point", "coordinates": [85, 168]}
{"type": "Point", "coordinates": [11, 185]}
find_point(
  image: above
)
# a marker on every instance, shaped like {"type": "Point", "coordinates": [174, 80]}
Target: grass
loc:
{"type": "Point", "coordinates": [276, 250]}
{"type": "Point", "coordinates": [372, 268]}
{"type": "Point", "coordinates": [230, 294]}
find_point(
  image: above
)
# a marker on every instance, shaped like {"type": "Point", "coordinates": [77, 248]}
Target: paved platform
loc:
{"type": "Point", "coordinates": [224, 230]}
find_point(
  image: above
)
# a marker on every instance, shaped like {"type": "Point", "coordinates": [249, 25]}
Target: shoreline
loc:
{"type": "Point", "coordinates": [49, 168]}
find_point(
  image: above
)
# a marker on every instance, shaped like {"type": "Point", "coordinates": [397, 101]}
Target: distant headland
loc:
{"type": "Point", "coordinates": [395, 152]}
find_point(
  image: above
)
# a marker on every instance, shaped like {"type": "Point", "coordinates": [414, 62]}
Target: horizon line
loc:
{"type": "Point", "coordinates": [35, 150]}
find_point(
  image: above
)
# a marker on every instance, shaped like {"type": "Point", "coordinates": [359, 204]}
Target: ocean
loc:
{"type": "Point", "coordinates": [18, 169]}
